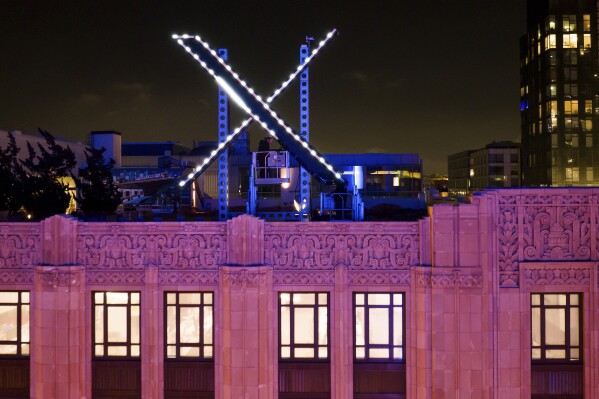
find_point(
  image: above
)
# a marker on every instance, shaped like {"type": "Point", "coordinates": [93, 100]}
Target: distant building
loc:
{"type": "Point", "coordinates": [458, 173]}
{"type": "Point", "coordinates": [559, 94]}
{"type": "Point", "coordinates": [495, 165]}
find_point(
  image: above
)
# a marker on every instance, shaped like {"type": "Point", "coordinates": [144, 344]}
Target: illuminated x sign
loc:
{"type": "Point", "coordinates": [258, 110]}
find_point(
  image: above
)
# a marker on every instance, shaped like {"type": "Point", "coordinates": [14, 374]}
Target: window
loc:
{"type": "Point", "coordinates": [552, 90]}
{"type": "Point", "coordinates": [569, 23]}
{"type": "Point", "coordinates": [304, 325]}
{"type": "Point", "coordinates": [550, 26]}
{"type": "Point", "coordinates": [550, 41]}
{"type": "Point", "coordinates": [586, 22]}
{"type": "Point", "coordinates": [14, 323]}
{"type": "Point", "coordinates": [588, 141]}
{"type": "Point", "coordinates": [570, 74]}
{"type": "Point", "coordinates": [189, 325]}
{"type": "Point", "coordinates": [587, 40]}
{"type": "Point", "coordinates": [590, 173]}
{"type": "Point", "coordinates": [570, 107]}
{"type": "Point", "coordinates": [379, 326]}
{"type": "Point", "coordinates": [587, 125]}
{"type": "Point", "coordinates": [570, 40]}
{"type": "Point", "coordinates": [588, 107]}
{"type": "Point", "coordinates": [556, 331]}
{"type": "Point", "coordinates": [116, 324]}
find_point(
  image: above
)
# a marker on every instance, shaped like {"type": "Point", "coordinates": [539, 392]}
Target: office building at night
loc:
{"type": "Point", "coordinates": [495, 165]}
{"type": "Point", "coordinates": [559, 94]}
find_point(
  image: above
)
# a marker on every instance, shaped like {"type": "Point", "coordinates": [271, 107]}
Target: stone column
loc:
{"type": "Point", "coordinates": [342, 329]}
{"type": "Point", "coordinates": [152, 319]}
{"type": "Point", "coordinates": [58, 368]}
{"type": "Point", "coordinates": [246, 362]}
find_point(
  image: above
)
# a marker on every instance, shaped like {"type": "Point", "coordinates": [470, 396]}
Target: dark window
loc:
{"type": "Point", "coordinates": [116, 324]}
{"type": "Point", "coordinates": [188, 325]}
{"type": "Point", "coordinates": [556, 328]}
{"type": "Point", "coordinates": [379, 321]}
{"type": "Point", "coordinates": [304, 325]}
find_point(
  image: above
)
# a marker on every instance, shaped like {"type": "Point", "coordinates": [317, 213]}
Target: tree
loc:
{"type": "Point", "coordinates": [97, 193]}
{"type": "Point", "coordinates": [46, 194]}
{"type": "Point", "coordinates": [12, 177]}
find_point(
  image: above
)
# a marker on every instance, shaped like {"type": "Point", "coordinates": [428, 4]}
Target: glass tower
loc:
{"type": "Point", "coordinates": [559, 94]}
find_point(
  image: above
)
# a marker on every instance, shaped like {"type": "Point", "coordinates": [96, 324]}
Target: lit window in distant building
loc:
{"type": "Point", "coordinates": [590, 173]}
{"type": "Point", "coordinates": [569, 23]}
{"type": "Point", "coordinates": [550, 42]}
{"type": "Point", "coordinates": [379, 320]}
{"type": "Point", "coordinates": [550, 23]}
{"type": "Point", "coordinates": [189, 325]}
{"type": "Point", "coordinates": [587, 125]}
{"type": "Point", "coordinates": [587, 40]}
{"type": "Point", "coordinates": [552, 90]}
{"type": "Point", "coordinates": [14, 323]}
{"type": "Point", "coordinates": [552, 108]}
{"type": "Point", "coordinates": [570, 40]}
{"type": "Point", "coordinates": [116, 326]}
{"type": "Point", "coordinates": [556, 327]}
{"type": "Point", "coordinates": [586, 22]}
{"type": "Point", "coordinates": [304, 325]}
{"type": "Point", "coordinates": [571, 107]}
{"type": "Point", "coordinates": [588, 107]}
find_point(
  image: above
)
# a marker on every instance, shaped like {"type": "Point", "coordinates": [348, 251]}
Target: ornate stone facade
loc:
{"type": "Point", "coordinates": [466, 272]}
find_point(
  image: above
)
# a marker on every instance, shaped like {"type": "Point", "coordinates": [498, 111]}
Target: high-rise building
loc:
{"type": "Point", "coordinates": [559, 92]}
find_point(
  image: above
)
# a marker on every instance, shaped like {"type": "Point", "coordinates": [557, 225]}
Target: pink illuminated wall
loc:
{"type": "Point", "coordinates": [467, 273]}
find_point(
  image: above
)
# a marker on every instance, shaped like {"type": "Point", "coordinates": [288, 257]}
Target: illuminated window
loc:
{"type": "Point", "coordinates": [552, 90]}
{"type": "Point", "coordinates": [587, 40]}
{"type": "Point", "coordinates": [587, 125]}
{"type": "Point", "coordinates": [116, 324]}
{"type": "Point", "coordinates": [586, 22]}
{"type": "Point", "coordinates": [304, 325]}
{"type": "Point", "coordinates": [550, 26]}
{"type": "Point", "coordinates": [588, 107]}
{"type": "Point", "coordinates": [14, 323]}
{"type": "Point", "coordinates": [556, 330]}
{"type": "Point", "coordinates": [570, 40]}
{"type": "Point", "coordinates": [590, 173]}
{"type": "Point", "coordinates": [571, 107]}
{"type": "Point", "coordinates": [569, 23]}
{"type": "Point", "coordinates": [552, 108]}
{"type": "Point", "coordinates": [550, 41]}
{"type": "Point", "coordinates": [379, 327]}
{"type": "Point", "coordinates": [189, 324]}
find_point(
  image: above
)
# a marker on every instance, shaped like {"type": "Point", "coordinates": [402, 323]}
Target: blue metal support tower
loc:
{"type": "Point", "coordinates": [223, 159]}
{"type": "Point", "coordinates": [304, 176]}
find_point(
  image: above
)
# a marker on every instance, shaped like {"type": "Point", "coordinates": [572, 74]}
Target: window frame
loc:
{"type": "Point", "coordinates": [19, 304]}
{"type": "Point", "coordinates": [390, 346]}
{"type": "Point", "coordinates": [105, 343]}
{"type": "Point", "coordinates": [201, 345]}
{"type": "Point", "coordinates": [567, 347]}
{"type": "Point", "coordinates": [292, 345]}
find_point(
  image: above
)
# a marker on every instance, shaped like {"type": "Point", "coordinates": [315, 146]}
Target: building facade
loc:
{"type": "Point", "coordinates": [494, 299]}
{"type": "Point", "coordinates": [559, 94]}
{"type": "Point", "coordinates": [495, 165]}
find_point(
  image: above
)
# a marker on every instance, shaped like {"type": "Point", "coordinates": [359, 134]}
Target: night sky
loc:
{"type": "Point", "coordinates": [433, 77]}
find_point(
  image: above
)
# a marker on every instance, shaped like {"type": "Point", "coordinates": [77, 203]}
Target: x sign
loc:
{"type": "Point", "coordinates": [258, 109]}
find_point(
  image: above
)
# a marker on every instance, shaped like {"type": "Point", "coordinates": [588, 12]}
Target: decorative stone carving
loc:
{"type": "Point", "coordinates": [453, 278]}
{"type": "Point", "coordinates": [115, 277]}
{"type": "Point", "coordinates": [546, 274]}
{"type": "Point", "coordinates": [59, 278]}
{"type": "Point", "coordinates": [170, 249]}
{"type": "Point", "coordinates": [366, 246]}
{"type": "Point", "coordinates": [20, 245]}
{"type": "Point", "coordinates": [244, 278]}
{"type": "Point", "coordinates": [543, 227]}
{"type": "Point", "coordinates": [380, 277]}
{"type": "Point", "coordinates": [188, 278]}
{"type": "Point", "coordinates": [304, 278]}
{"type": "Point", "coordinates": [16, 276]}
